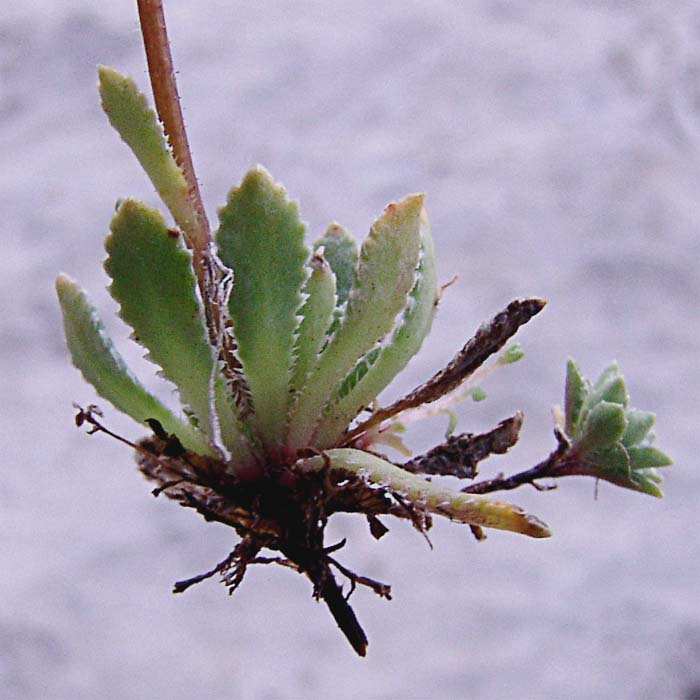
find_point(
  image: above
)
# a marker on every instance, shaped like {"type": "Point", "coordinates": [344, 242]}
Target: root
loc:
{"type": "Point", "coordinates": [273, 515]}
{"type": "Point", "coordinates": [287, 512]}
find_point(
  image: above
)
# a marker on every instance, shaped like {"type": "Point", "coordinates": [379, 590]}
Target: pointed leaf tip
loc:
{"type": "Point", "coordinates": [646, 457]}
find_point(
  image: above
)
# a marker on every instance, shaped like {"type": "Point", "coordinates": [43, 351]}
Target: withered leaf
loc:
{"type": "Point", "coordinates": [460, 454]}
{"type": "Point", "coordinates": [490, 338]}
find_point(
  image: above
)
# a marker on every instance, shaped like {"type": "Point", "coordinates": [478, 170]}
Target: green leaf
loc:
{"type": "Point", "coordinates": [607, 435]}
{"type": "Point", "coordinates": [602, 427]}
{"type": "Point", "coordinates": [153, 281]}
{"type": "Point", "coordinates": [385, 275]}
{"type": "Point", "coordinates": [575, 395]}
{"type": "Point", "coordinates": [317, 315]}
{"type": "Point", "coordinates": [639, 423]}
{"type": "Point", "coordinates": [513, 353]}
{"type": "Point", "coordinates": [102, 366]}
{"type": "Point", "coordinates": [462, 507]}
{"type": "Point", "coordinates": [396, 354]}
{"type": "Point", "coordinates": [614, 464]}
{"type": "Point", "coordinates": [611, 463]}
{"type": "Point", "coordinates": [609, 387]}
{"type": "Point", "coordinates": [478, 394]}
{"type": "Point", "coordinates": [358, 372]}
{"type": "Point", "coordinates": [128, 112]}
{"type": "Point", "coordinates": [262, 240]}
{"type": "Point", "coordinates": [340, 250]}
{"type": "Point", "coordinates": [611, 372]}
{"type": "Point", "coordinates": [615, 391]}
{"type": "Point", "coordinates": [645, 457]}
{"type": "Point", "coordinates": [646, 480]}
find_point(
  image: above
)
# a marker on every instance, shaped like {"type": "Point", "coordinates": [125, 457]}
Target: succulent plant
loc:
{"type": "Point", "coordinates": [610, 440]}
{"type": "Point", "coordinates": [277, 351]}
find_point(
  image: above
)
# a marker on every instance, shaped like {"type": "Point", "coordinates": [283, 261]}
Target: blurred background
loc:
{"type": "Point", "coordinates": [558, 144]}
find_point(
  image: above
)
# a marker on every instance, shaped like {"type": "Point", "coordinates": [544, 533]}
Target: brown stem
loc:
{"type": "Point", "coordinates": [489, 338]}
{"type": "Point", "coordinates": [557, 464]}
{"type": "Point", "coordinates": [162, 74]}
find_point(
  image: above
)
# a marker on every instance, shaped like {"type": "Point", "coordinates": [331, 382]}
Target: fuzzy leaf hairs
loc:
{"type": "Point", "coordinates": [610, 440]}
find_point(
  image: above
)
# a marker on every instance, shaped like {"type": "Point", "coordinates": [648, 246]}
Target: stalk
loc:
{"type": "Point", "coordinates": [167, 99]}
{"type": "Point", "coordinates": [197, 233]}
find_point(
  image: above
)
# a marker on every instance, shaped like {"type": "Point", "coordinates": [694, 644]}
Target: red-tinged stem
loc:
{"type": "Point", "coordinates": [167, 99]}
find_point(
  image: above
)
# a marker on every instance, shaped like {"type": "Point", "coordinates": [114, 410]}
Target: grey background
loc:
{"type": "Point", "coordinates": [558, 145]}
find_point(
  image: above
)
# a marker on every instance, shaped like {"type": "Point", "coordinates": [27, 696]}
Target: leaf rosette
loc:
{"type": "Point", "coordinates": [279, 352]}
